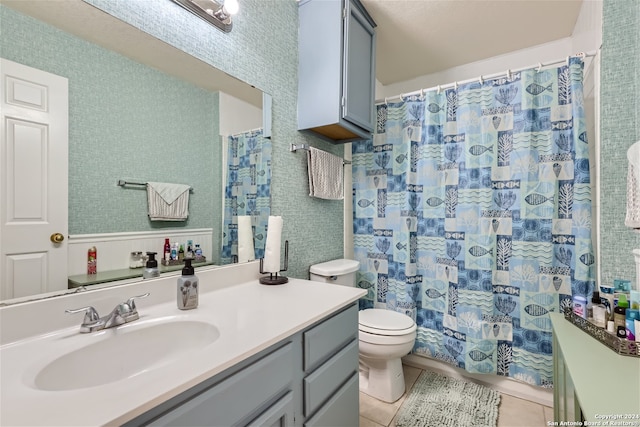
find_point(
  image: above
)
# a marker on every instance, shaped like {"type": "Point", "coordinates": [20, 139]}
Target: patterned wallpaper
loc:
{"type": "Point", "coordinates": [260, 50]}
{"type": "Point", "coordinates": [126, 121]}
{"type": "Point", "coordinates": [620, 124]}
{"type": "Point", "coordinates": [267, 37]}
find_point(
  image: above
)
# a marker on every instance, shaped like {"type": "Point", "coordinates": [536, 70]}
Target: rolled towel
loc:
{"type": "Point", "coordinates": [271, 262]}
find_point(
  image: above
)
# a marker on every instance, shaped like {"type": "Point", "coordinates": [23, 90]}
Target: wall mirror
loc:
{"type": "Point", "coordinates": [139, 110]}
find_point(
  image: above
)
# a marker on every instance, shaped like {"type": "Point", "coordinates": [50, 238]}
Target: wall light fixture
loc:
{"type": "Point", "coordinates": [215, 12]}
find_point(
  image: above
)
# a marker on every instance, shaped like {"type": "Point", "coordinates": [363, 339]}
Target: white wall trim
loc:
{"type": "Point", "coordinates": [111, 237]}
{"type": "Point", "coordinates": [504, 385]}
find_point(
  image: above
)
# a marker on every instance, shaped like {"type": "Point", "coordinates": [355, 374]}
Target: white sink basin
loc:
{"type": "Point", "coordinates": [125, 352]}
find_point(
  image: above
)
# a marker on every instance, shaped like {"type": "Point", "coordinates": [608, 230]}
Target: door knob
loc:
{"type": "Point", "coordinates": [57, 238]}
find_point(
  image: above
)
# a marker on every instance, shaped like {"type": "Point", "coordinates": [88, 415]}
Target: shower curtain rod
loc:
{"type": "Point", "coordinates": [482, 78]}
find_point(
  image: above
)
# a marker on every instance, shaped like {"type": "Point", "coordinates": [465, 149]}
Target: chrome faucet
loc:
{"type": "Point", "coordinates": [123, 313]}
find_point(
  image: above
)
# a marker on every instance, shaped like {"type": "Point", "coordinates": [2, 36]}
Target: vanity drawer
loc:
{"type": "Point", "coordinates": [324, 381]}
{"type": "Point", "coordinates": [280, 414]}
{"type": "Point", "coordinates": [324, 340]}
{"type": "Point", "coordinates": [342, 409]}
{"type": "Point", "coordinates": [245, 393]}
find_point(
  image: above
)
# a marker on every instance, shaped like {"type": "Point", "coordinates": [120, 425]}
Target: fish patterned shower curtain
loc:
{"type": "Point", "coordinates": [247, 191]}
{"type": "Point", "coordinates": [472, 215]}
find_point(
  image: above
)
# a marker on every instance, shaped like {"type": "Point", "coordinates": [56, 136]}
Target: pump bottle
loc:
{"type": "Point", "coordinates": [187, 287]}
{"type": "Point", "coordinates": [151, 269]}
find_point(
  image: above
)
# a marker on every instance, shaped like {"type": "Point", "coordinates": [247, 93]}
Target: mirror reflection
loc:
{"type": "Point", "coordinates": [139, 110]}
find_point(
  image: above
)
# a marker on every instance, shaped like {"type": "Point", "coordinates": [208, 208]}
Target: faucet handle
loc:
{"type": "Point", "coordinates": [90, 314]}
{"type": "Point", "coordinates": [131, 301]}
{"type": "Point", "coordinates": [92, 321]}
{"type": "Point", "coordinates": [127, 310]}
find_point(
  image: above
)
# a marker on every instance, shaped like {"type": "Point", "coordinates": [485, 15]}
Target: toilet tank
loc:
{"type": "Point", "coordinates": [338, 271]}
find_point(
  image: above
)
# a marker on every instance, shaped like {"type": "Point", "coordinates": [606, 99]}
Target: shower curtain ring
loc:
{"type": "Point", "coordinates": [481, 80]}
{"type": "Point", "coordinates": [568, 60]}
{"type": "Point", "coordinates": [509, 74]}
{"type": "Point", "coordinates": [539, 67]}
{"type": "Point", "coordinates": [455, 85]}
{"type": "Point", "coordinates": [438, 89]}
{"type": "Point", "coordinates": [385, 101]}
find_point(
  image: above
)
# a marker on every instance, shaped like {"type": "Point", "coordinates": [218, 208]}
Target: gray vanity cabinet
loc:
{"type": "Point", "coordinates": [330, 364]}
{"type": "Point", "coordinates": [336, 69]}
{"type": "Point", "coordinates": [309, 379]}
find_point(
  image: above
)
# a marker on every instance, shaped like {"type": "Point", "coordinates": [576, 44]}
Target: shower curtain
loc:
{"type": "Point", "coordinates": [247, 191]}
{"type": "Point", "coordinates": [472, 215]}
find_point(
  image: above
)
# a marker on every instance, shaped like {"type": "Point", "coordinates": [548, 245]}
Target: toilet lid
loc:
{"type": "Point", "coordinates": [385, 322]}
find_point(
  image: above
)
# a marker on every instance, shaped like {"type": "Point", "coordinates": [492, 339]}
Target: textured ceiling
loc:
{"type": "Point", "coordinates": [419, 37]}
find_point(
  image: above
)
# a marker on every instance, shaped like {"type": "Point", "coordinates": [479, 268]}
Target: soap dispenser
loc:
{"type": "Point", "coordinates": [151, 269]}
{"type": "Point", "coordinates": [187, 287]}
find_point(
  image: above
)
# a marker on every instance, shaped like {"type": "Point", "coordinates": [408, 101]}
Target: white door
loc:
{"type": "Point", "coordinates": [33, 181]}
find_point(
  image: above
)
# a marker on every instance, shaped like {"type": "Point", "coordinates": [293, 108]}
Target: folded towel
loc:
{"type": "Point", "coordinates": [632, 218]}
{"type": "Point", "coordinates": [168, 202]}
{"type": "Point", "coordinates": [325, 175]}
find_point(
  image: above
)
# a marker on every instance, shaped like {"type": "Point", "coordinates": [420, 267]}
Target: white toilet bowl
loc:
{"type": "Point", "coordinates": [385, 336]}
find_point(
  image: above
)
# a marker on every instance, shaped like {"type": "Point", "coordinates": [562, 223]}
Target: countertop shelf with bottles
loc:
{"type": "Point", "coordinates": [122, 274]}
{"type": "Point", "coordinates": [619, 345]}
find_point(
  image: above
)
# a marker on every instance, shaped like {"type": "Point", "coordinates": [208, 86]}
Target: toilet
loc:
{"type": "Point", "coordinates": [384, 336]}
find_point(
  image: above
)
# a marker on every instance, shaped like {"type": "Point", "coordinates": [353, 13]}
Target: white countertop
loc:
{"type": "Point", "coordinates": [249, 316]}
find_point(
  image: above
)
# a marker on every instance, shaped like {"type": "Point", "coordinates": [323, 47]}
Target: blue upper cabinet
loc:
{"type": "Point", "coordinates": [336, 69]}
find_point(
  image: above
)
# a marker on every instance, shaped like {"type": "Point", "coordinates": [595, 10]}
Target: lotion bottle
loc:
{"type": "Point", "coordinates": [619, 317]}
{"type": "Point", "coordinates": [151, 269]}
{"type": "Point", "coordinates": [597, 311]}
{"type": "Point", "coordinates": [187, 287]}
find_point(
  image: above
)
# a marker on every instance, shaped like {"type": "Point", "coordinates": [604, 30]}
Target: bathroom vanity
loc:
{"type": "Point", "coordinates": [592, 382]}
{"type": "Point", "coordinates": [250, 354]}
{"type": "Point", "coordinates": [309, 378]}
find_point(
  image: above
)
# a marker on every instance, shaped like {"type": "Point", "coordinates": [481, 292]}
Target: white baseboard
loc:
{"type": "Point", "coordinates": [504, 385]}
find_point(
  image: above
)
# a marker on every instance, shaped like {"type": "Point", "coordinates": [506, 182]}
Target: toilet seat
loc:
{"type": "Point", "coordinates": [385, 322]}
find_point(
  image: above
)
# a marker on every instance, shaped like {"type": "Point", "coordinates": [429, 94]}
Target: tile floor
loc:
{"type": "Point", "coordinates": [513, 412]}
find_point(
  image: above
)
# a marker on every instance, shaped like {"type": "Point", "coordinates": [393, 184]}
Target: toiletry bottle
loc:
{"type": "Point", "coordinates": [580, 306]}
{"type": "Point", "coordinates": [606, 296]}
{"type": "Point", "coordinates": [198, 250]}
{"type": "Point", "coordinates": [181, 253]}
{"type": "Point", "coordinates": [598, 311]}
{"type": "Point", "coordinates": [92, 260]}
{"type": "Point", "coordinates": [187, 287]}
{"type": "Point", "coordinates": [174, 252]}
{"type": "Point", "coordinates": [167, 250]}
{"type": "Point", "coordinates": [190, 253]}
{"type": "Point", "coordinates": [632, 315]}
{"type": "Point", "coordinates": [619, 317]}
{"type": "Point", "coordinates": [151, 270]}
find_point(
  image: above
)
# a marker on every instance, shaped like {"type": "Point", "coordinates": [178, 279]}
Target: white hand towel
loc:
{"type": "Point", "coordinates": [632, 218]}
{"type": "Point", "coordinates": [167, 201]}
{"type": "Point", "coordinates": [245, 239]}
{"type": "Point", "coordinates": [325, 175]}
{"type": "Point", "coordinates": [271, 262]}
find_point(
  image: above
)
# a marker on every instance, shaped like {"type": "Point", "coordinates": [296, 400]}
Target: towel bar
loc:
{"type": "Point", "coordinates": [122, 183]}
{"type": "Point", "coordinates": [296, 147]}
